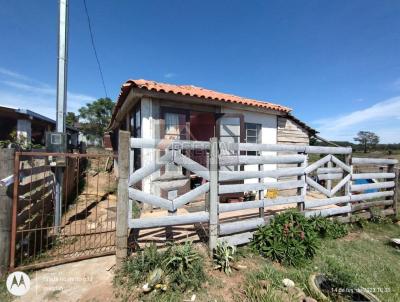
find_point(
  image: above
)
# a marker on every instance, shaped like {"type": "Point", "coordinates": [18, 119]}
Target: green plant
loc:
{"type": "Point", "coordinates": [181, 267]}
{"type": "Point", "coordinates": [290, 239]}
{"type": "Point", "coordinates": [328, 228]}
{"type": "Point", "coordinates": [184, 265]}
{"type": "Point", "coordinates": [223, 256]}
{"type": "Point", "coordinates": [378, 217]}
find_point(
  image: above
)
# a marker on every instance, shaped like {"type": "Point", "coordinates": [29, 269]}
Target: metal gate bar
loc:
{"type": "Point", "coordinates": [89, 204]}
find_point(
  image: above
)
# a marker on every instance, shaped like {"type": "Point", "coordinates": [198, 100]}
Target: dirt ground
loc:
{"type": "Point", "coordinates": [88, 280]}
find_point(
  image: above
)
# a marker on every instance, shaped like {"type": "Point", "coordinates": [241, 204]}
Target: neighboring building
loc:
{"type": "Point", "coordinates": [156, 110]}
{"type": "Point", "coordinates": [30, 126]}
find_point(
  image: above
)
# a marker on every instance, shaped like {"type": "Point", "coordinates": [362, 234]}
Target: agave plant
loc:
{"type": "Point", "coordinates": [223, 256]}
{"type": "Point", "coordinates": [181, 257]}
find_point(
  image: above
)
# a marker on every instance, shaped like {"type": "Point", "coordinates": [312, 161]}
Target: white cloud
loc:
{"type": "Point", "coordinates": [170, 75]}
{"type": "Point", "coordinates": [381, 118]}
{"type": "Point", "coordinates": [17, 90]}
{"type": "Point", "coordinates": [396, 84]}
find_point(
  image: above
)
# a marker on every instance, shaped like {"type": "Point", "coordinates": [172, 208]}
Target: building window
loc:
{"type": "Point", "coordinates": [136, 131]}
{"type": "Point", "coordinates": [175, 126]}
{"type": "Point", "coordinates": [253, 136]}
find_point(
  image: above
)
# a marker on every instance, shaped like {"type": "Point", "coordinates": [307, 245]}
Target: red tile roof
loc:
{"type": "Point", "coordinates": [193, 91]}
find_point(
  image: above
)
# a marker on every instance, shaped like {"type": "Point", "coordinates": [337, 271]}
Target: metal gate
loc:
{"type": "Point", "coordinates": [88, 209]}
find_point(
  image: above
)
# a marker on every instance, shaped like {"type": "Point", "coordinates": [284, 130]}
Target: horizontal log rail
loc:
{"type": "Point", "coordinates": [374, 161]}
{"type": "Point", "coordinates": [154, 222]}
{"type": "Point", "coordinates": [372, 175]}
{"type": "Point", "coordinates": [241, 175]}
{"type": "Point", "coordinates": [377, 185]}
{"type": "Point", "coordinates": [231, 160]}
{"type": "Point", "coordinates": [280, 185]}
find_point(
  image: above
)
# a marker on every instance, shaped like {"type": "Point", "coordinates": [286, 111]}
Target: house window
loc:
{"type": "Point", "coordinates": [175, 125]}
{"type": "Point", "coordinates": [253, 135]}
{"type": "Point", "coordinates": [136, 131]}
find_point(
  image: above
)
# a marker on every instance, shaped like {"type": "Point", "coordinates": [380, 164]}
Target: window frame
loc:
{"type": "Point", "coordinates": [257, 136]}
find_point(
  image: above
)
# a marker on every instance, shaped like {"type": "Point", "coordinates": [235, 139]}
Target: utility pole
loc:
{"type": "Point", "coordinates": [61, 98]}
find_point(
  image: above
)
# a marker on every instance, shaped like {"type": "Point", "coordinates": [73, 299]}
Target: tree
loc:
{"type": "Point", "coordinates": [71, 119]}
{"type": "Point", "coordinates": [367, 138]}
{"type": "Point", "coordinates": [95, 117]}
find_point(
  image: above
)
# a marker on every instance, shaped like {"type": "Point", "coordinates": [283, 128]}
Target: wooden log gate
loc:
{"type": "Point", "coordinates": [331, 177]}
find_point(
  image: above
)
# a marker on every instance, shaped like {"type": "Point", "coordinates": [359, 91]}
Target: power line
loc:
{"type": "Point", "coordinates": [94, 49]}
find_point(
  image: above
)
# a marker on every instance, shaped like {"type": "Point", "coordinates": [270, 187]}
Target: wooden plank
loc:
{"type": "Point", "coordinates": [240, 175]}
{"type": "Point", "coordinates": [329, 170]}
{"type": "Point", "coordinates": [237, 206]}
{"type": "Point", "coordinates": [260, 159]}
{"type": "Point", "coordinates": [237, 239]}
{"type": "Point", "coordinates": [330, 176]}
{"type": "Point", "coordinates": [339, 163]}
{"type": "Point", "coordinates": [282, 185]}
{"type": "Point", "coordinates": [27, 187]}
{"type": "Point", "coordinates": [340, 185]}
{"type": "Point", "coordinates": [317, 186]}
{"type": "Point", "coordinates": [240, 226]}
{"type": "Point", "coordinates": [329, 212]}
{"type": "Point", "coordinates": [366, 196]}
{"type": "Point", "coordinates": [191, 165]}
{"type": "Point", "coordinates": [318, 164]}
{"type": "Point", "coordinates": [372, 175]}
{"type": "Point", "coordinates": [314, 203]}
{"type": "Point", "coordinates": [374, 161]}
{"type": "Point", "coordinates": [154, 222]}
{"type": "Point", "coordinates": [377, 185]}
{"type": "Point", "coordinates": [254, 204]}
{"type": "Point", "coordinates": [213, 196]}
{"type": "Point", "coordinates": [150, 199]}
{"type": "Point", "coordinates": [149, 168]}
{"type": "Point", "coordinates": [286, 147]}
{"type": "Point", "coordinates": [189, 196]}
{"type": "Point", "coordinates": [36, 208]}
{"type": "Point", "coordinates": [367, 205]}
{"type": "Point", "coordinates": [268, 202]}
{"type": "Point", "coordinates": [121, 235]}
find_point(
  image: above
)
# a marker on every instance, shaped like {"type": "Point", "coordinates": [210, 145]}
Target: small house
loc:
{"type": "Point", "coordinates": [150, 109]}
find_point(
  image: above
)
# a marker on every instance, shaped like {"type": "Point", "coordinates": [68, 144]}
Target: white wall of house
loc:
{"type": "Point", "coordinates": [269, 124]}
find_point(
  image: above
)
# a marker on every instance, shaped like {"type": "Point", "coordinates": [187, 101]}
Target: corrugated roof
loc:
{"type": "Point", "coordinates": [194, 91]}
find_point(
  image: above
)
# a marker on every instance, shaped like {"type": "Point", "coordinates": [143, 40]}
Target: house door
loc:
{"type": "Point", "coordinates": [230, 129]}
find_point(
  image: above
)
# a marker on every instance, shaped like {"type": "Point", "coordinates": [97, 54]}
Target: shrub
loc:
{"type": "Point", "coordinates": [292, 239]}
{"type": "Point", "coordinates": [327, 228]}
{"type": "Point", "coordinates": [180, 268]}
{"type": "Point", "coordinates": [184, 265]}
{"type": "Point", "coordinates": [223, 256]}
{"type": "Point", "coordinates": [289, 238]}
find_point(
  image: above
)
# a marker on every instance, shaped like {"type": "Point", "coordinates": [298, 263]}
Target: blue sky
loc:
{"type": "Point", "coordinates": [336, 63]}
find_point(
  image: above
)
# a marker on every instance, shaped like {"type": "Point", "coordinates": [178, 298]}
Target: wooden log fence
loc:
{"type": "Point", "coordinates": [342, 194]}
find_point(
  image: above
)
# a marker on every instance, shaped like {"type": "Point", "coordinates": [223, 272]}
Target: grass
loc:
{"type": "Point", "coordinates": [364, 259]}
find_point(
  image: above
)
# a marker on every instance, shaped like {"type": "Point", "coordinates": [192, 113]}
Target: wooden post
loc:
{"type": "Point", "coordinates": [329, 181]}
{"type": "Point", "coordinates": [396, 191]}
{"type": "Point", "coordinates": [121, 239]}
{"type": "Point", "coordinates": [6, 200]}
{"type": "Point", "coordinates": [303, 190]}
{"type": "Point", "coordinates": [347, 188]}
{"type": "Point", "coordinates": [391, 169]}
{"type": "Point", "coordinates": [261, 193]}
{"type": "Point", "coordinates": [214, 198]}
